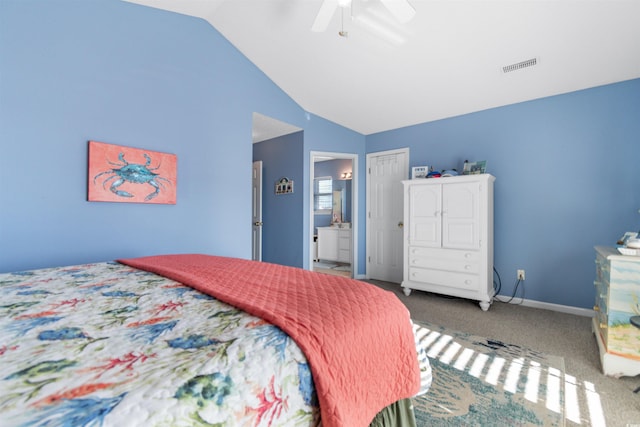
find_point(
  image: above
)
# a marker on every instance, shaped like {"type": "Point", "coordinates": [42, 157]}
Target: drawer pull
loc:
{"type": "Point", "coordinates": [603, 326]}
{"type": "Point", "coordinates": [467, 267]}
{"type": "Point", "coordinates": [468, 255]}
{"type": "Point", "coordinates": [467, 282]}
{"type": "Point", "coordinates": [596, 308]}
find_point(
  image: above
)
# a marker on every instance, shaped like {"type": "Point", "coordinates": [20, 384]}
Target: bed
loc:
{"type": "Point", "coordinates": [184, 340]}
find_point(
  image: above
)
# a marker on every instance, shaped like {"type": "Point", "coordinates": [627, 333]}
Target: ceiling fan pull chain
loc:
{"type": "Point", "coordinates": [343, 33]}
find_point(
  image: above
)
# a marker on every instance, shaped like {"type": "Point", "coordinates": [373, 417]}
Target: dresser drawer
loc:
{"type": "Point", "coordinates": [344, 243]}
{"type": "Point", "coordinates": [603, 269]}
{"type": "Point", "coordinates": [602, 322]}
{"type": "Point", "coordinates": [444, 278]}
{"type": "Point", "coordinates": [448, 260]}
{"type": "Point", "coordinates": [344, 255]}
{"type": "Point", "coordinates": [602, 296]}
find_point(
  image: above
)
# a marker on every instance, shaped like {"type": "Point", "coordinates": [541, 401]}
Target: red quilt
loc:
{"type": "Point", "coordinates": [357, 338]}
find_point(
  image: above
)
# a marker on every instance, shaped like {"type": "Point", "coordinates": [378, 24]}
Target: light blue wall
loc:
{"type": "Point", "coordinates": [107, 70]}
{"type": "Point", "coordinates": [567, 179]}
{"type": "Point", "coordinates": [116, 72]}
{"type": "Point", "coordinates": [282, 214]}
{"type": "Point", "coordinates": [322, 135]}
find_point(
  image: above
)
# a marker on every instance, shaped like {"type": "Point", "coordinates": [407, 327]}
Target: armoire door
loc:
{"type": "Point", "coordinates": [460, 215]}
{"type": "Point", "coordinates": [425, 206]}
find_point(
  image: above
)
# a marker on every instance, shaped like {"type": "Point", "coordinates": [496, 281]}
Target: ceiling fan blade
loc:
{"type": "Point", "coordinates": [324, 15]}
{"type": "Point", "coordinates": [401, 9]}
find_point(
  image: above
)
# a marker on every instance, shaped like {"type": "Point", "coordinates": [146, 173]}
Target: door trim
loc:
{"type": "Point", "coordinates": [256, 208]}
{"type": "Point", "coordinates": [314, 155]}
{"type": "Point", "coordinates": [371, 156]}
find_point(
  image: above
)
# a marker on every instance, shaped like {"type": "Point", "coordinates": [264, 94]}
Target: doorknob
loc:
{"type": "Point", "coordinates": [258, 223]}
{"type": "Point", "coordinates": [401, 224]}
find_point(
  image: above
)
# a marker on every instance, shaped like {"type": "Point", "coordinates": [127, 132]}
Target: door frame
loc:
{"type": "Point", "coordinates": [256, 214]}
{"type": "Point", "coordinates": [315, 156]}
{"type": "Point", "coordinates": [368, 230]}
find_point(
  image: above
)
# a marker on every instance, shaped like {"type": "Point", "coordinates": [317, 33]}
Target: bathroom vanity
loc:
{"type": "Point", "coordinates": [334, 243]}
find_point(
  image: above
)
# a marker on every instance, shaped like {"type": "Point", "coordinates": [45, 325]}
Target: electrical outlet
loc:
{"type": "Point", "coordinates": [520, 274]}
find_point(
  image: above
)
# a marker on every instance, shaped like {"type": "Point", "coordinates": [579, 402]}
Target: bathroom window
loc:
{"type": "Point", "coordinates": [323, 195]}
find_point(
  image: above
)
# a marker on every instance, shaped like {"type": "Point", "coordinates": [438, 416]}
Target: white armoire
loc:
{"type": "Point", "coordinates": [448, 236]}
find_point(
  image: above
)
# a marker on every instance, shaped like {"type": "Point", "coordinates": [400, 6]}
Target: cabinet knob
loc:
{"type": "Point", "coordinates": [400, 224]}
{"type": "Point", "coordinates": [467, 267]}
{"type": "Point", "coordinates": [603, 326]}
{"type": "Point", "coordinates": [596, 308]}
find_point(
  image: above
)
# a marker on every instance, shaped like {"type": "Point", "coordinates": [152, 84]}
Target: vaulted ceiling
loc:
{"type": "Point", "coordinates": [447, 61]}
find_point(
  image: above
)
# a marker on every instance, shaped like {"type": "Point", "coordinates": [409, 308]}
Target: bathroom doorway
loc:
{"type": "Point", "coordinates": [333, 213]}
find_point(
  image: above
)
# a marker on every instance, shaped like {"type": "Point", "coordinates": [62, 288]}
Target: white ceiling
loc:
{"type": "Point", "coordinates": [447, 61]}
{"type": "Point", "coordinates": [265, 128]}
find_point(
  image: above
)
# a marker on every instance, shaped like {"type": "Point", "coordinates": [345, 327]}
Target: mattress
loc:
{"type": "Point", "coordinates": [107, 344]}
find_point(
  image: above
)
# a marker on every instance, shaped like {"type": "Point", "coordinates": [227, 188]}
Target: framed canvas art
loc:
{"type": "Point", "coordinates": [474, 168]}
{"type": "Point", "coordinates": [133, 175]}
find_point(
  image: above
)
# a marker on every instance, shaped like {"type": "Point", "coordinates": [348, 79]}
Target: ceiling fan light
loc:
{"type": "Point", "coordinates": [379, 29]}
{"type": "Point", "coordinates": [401, 9]}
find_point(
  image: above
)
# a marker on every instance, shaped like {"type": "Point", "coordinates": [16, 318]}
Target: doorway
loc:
{"type": "Point", "coordinates": [333, 213]}
{"type": "Point", "coordinates": [277, 152]}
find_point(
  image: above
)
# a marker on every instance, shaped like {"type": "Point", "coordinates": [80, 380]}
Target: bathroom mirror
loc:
{"type": "Point", "coordinates": [337, 206]}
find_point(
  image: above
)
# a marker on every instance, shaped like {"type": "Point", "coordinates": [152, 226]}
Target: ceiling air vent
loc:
{"type": "Point", "coordinates": [520, 65]}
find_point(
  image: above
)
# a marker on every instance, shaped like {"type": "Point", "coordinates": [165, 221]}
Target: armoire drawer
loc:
{"type": "Point", "coordinates": [449, 260]}
{"type": "Point", "coordinates": [444, 278]}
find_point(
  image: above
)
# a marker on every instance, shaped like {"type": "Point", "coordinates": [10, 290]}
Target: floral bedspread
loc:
{"type": "Point", "coordinates": [106, 344]}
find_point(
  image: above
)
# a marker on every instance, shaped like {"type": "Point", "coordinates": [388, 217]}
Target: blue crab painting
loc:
{"type": "Point", "coordinates": [134, 173]}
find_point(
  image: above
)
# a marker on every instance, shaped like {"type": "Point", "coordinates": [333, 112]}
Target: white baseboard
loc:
{"type": "Point", "coordinates": [585, 312]}
{"type": "Point", "coordinates": [549, 306]}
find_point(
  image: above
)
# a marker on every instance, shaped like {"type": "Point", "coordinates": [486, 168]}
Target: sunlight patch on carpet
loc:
{"type": "Point", "coordinates": [478, 382]}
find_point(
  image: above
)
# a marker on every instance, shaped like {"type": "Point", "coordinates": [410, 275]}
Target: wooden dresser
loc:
{"type": "Point", "coordinates": [617, 302]}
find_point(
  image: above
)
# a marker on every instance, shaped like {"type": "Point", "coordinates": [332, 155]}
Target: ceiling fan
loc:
{"type": "Point", "coordinates": [400, 9]}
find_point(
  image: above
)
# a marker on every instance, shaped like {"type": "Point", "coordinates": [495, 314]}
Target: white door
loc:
{"type": "Point", "coordinates": [256, 215]}
{"type": "Point", "coordinates": [385, 172]}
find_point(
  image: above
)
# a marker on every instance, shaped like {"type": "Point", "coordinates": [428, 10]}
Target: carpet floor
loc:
{"type": "Point", "coordinates": [590, 398]}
